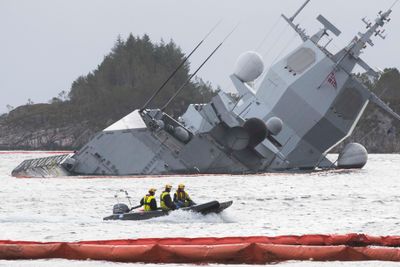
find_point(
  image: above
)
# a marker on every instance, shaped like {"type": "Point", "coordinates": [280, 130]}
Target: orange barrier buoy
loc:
{"type": "Point", "coordinates": [238, 250]}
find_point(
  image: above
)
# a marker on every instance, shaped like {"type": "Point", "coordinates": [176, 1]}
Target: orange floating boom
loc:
{"type": "Point", "coordinates": [237, 250]}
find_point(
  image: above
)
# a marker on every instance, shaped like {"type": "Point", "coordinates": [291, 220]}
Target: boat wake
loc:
{"type": "Point", "coordinates": [180, 216]}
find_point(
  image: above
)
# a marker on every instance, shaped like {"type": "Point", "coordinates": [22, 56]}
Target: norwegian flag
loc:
{"type": "Point", "coordinates": [332, 79]}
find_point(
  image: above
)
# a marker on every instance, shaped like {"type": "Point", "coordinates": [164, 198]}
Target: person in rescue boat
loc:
{"type": "Point", "coordinates": [165, 199]}
{"type": "Point", "coordinates": [149, 201]}
{"type": "Point", "coordinates": [182, 198]}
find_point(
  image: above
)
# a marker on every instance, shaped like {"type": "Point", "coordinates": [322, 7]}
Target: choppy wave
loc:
{"type": "Point", "coordinates": [271, 204]}
{"type": "Point", "coordinates": [178, 217]}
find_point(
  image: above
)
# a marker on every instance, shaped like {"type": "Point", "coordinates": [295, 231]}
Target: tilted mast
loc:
{"type": "Point", "coordinates": [358, 44]}
{"type": "Point", "coordinates": [350, 56]}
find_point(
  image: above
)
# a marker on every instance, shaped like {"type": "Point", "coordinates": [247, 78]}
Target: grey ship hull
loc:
{"type": "Point", "coordinates": [149, 144]}
{"type": "Point", "coordinates": [143, 151]}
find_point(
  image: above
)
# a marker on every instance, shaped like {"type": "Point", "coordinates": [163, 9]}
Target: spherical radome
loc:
{"type": "Point", "coordinates": [249, 66]}
{"type": "Point", "coordinates": [274, 125]}
{"type": "Point", "coordinates": [353, 156]}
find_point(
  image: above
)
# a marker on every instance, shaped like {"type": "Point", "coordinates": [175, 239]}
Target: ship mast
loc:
{"type": "Point", "coordinates": [359, 44]}
{"type": "Point", "coordinates": [296, 27]}
{"type": "Point", "coordinates": [302, 33]}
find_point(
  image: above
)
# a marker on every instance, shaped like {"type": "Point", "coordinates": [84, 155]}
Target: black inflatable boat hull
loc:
{"type": "Point", "coordinates": [206, 208]}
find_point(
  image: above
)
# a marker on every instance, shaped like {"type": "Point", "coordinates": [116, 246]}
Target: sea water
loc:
{"type": "Point", "coordinates": [330, 202]}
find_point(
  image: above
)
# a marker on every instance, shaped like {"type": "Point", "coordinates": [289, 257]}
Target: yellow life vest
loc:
{"type": "Point", "coordinates": [147, 200]}
{"type": "Point", "coordinates": [182, 196]}
{"type": "Point", "coordinates": [162, 202]}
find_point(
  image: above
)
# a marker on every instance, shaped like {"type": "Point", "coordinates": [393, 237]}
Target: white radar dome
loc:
{"type": "Point", "coordinates": [353, 156]}
{"type": "Point", "coordinates": [249, 66]}
{"type": "Point", "coordinates": [274, 125]}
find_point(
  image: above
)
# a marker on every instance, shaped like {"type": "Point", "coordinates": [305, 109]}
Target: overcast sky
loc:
{"type": "Point", "coordinates": [46, 44]}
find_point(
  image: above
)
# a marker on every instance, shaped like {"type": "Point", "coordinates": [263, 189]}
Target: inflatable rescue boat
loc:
{"type": "Point", "coordinates": [122, 211]}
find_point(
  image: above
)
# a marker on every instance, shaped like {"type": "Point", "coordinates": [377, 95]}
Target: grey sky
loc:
{"type": "Point", "coordinates": [47, 44]}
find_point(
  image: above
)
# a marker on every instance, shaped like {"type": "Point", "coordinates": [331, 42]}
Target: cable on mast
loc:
{"type": "Point", "coordinates": [197, 70]}
{"type": "Point", "coordinates": [178, 68]}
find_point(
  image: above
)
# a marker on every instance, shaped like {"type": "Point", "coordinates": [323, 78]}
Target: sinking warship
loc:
{"type": "Point", "coordinates": [306, 104]}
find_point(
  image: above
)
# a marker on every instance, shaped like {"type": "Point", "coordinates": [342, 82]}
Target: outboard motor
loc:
{"type": "Point", "coordinates": [120, 208]}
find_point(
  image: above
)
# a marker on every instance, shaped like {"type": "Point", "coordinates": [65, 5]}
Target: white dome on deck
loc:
{"type": "Point", "coordinates": [249, 66]}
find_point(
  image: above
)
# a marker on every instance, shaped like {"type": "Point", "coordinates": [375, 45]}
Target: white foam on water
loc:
{"type": "Point", "coordinates": [180, 216]}
{"type": "Point", "coordinates": [357, 201]}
